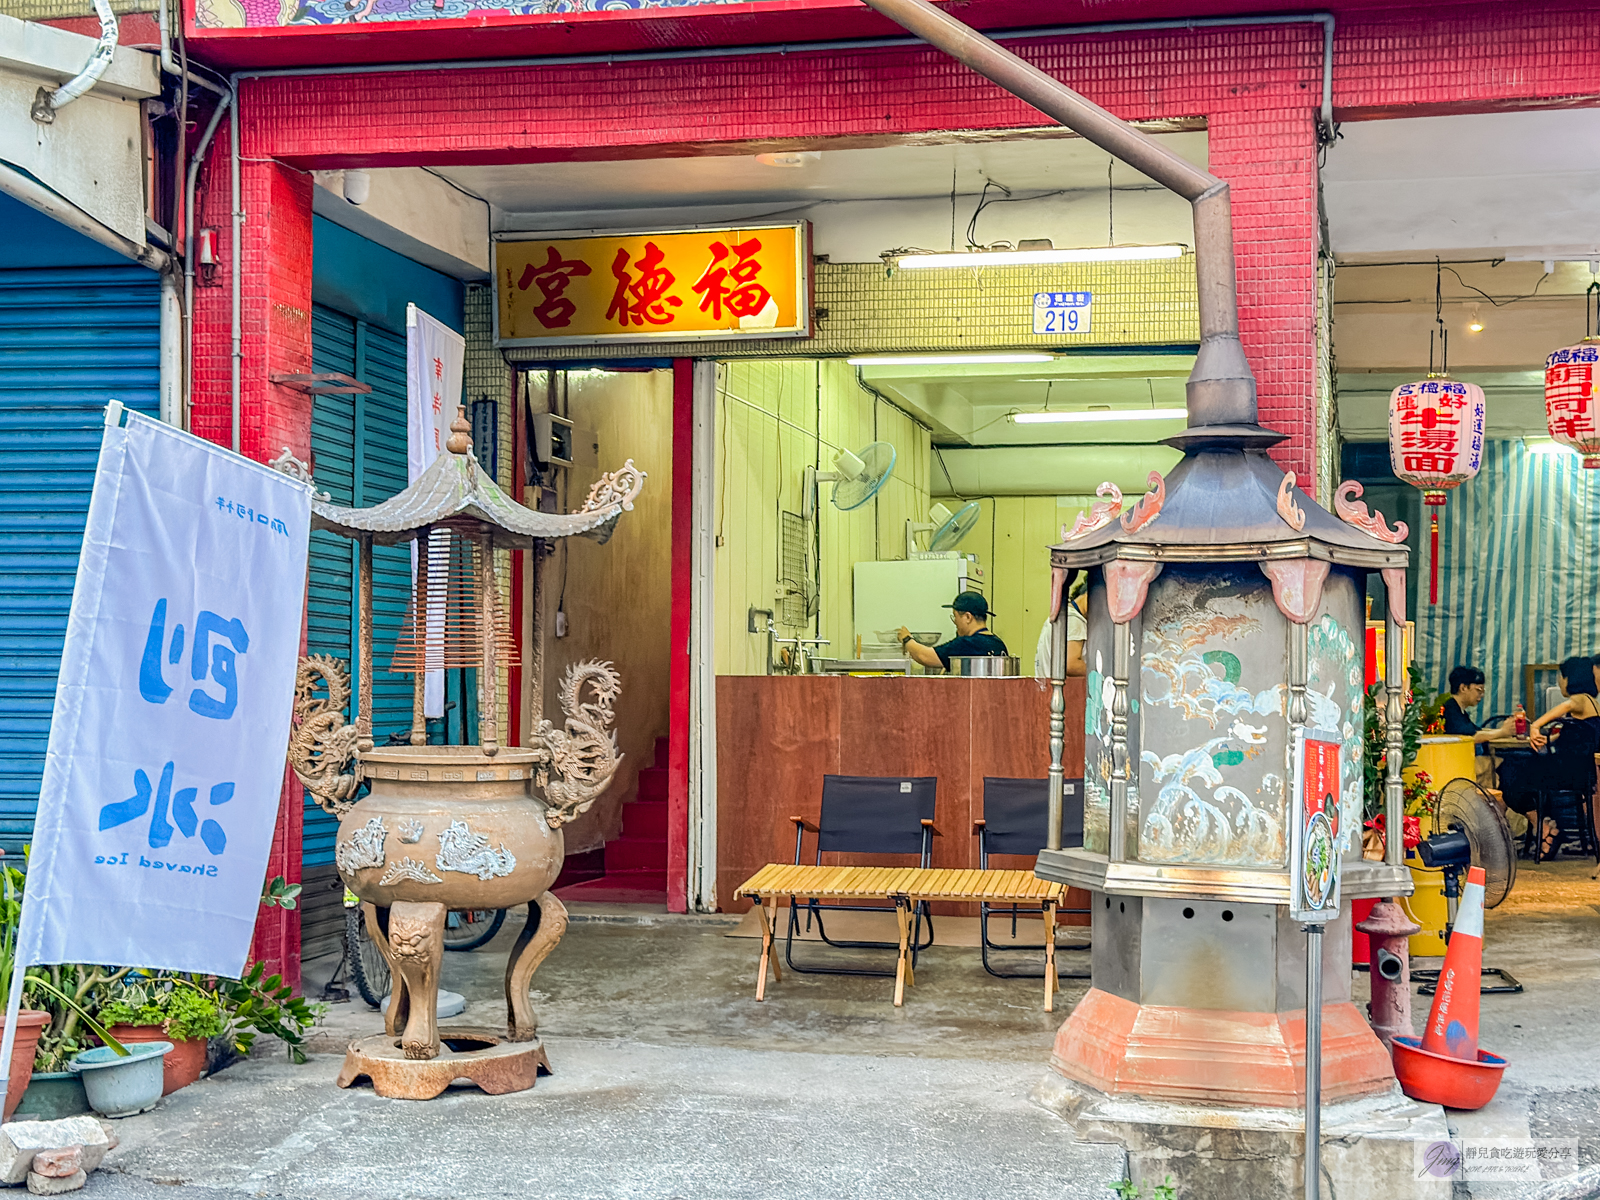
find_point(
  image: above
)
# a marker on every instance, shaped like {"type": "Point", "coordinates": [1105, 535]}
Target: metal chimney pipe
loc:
{"type": "Point", "coordinates": [1221, 388]}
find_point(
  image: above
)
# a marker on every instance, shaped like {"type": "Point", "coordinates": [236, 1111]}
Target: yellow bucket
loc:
{"type": "Point", "coordinates": [1444, 757]}
{"type": "Point", "coordinates": [1426, 906]}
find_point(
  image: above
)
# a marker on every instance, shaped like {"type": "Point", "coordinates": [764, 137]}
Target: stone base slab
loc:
{"type": "Point", "coordinates": [1228, 1152]}
{"type": "Point", "coordinates": [485, 1057]}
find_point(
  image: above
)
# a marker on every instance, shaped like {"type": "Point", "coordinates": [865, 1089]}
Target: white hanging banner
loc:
{"type": "Point", "coordinates": [435, 359]}
{"type": "Point", "coordinates": [172, 710]}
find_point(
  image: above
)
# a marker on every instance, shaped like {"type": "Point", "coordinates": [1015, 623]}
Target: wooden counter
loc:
{"type": "Point", "coordinates": [777, 736]}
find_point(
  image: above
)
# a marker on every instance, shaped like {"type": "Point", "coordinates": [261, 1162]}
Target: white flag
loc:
{"type": "Point", "coordinates": [435, 358]}
{"type": "Point", "coordinates": [171, 722]}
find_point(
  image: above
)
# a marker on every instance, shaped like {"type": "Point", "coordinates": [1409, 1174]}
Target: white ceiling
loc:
{"type": "Point", "coordinates": [969, 404]}
{"type": "Point", "coordinates": [1517, 183]}
{"type": "Point", "coordinates": [528, 195]}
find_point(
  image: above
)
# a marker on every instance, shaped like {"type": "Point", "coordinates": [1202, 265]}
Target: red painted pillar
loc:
{"type": "Point", "coordinates": [679, 716]}
{"type": "Point", "coordinates": [275, 322]}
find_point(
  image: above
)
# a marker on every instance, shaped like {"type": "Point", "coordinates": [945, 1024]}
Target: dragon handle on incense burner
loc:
{"type": "Point", "coordinates": [322, 748]}
{"type": "Point", "coordinates": [583, 751]}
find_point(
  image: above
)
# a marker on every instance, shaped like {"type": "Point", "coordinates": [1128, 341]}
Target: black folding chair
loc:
{"type": "Point", "coordinates": [1562, 781]}
{"type": "Point", "coordinates": [866, 814]}
{"type": "Point", "coordinates": [1016, 820]}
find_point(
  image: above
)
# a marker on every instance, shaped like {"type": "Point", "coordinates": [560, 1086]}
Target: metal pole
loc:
{"type": "Point", "coordinates": [1313, 1166]}
{"type": "Point", "coordinates": [364, 644]}
{"type": "Point", "coordinates": [1058, 714]}
{"type": "Point", "coordinates": [702, 644]}
{"type": "Point", "coordinates": [1121, 652]}
{"type": "Point", "coordinates": [489, 671]}
{"type": "Point", "coordinates": [420, 612]}
{"type": "Point", "coordinates": [236, 277]}
{"type": "Point", "coordinates": [19, 969]}
{"type": "Point", "coordinates": [1394, 749]}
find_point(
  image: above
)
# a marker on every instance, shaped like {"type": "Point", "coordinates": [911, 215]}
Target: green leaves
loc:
{"type": "Point", "coordinates": [1422, 708]}
{"type": "Point", "coordinates": [280, 893]}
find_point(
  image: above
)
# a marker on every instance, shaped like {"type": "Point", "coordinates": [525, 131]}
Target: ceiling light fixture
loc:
{"type": "Point", "coordinates": [1474, 324]}
{"type": "Point", "coordinates": [954, 360]}
{"type": "Point", "coordinates": [1127, 414]}
{"type": "Point", "coordinates": [1545, 445]}
{"type": "Point", "coordinates": [1026, 258]}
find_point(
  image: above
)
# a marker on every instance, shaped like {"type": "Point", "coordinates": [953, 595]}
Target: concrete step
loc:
{"type": "Point", "coordinates": [644, 819]}
{"type": "Point", "coordinates": [636, 854]}
{"type": "Point", "coordinates": [653, 783]}
{"type": "Point", "coordinates": [661, 753]}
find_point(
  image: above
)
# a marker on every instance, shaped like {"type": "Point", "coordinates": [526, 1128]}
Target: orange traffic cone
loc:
{"type": "Point", "coordinates": [1447, 1067]}
{"type": "Point", "coordinates": [1453, 1020]}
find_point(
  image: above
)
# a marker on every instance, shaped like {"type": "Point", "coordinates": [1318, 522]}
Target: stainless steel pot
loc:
{"type": "Point", "coordinates": [988, 666]}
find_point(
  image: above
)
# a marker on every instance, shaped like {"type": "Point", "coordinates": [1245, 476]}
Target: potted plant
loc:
{"type": "Point", "coordinates": [30, 1022]}
{"type": "Point", "coordinates": [166, 1009]}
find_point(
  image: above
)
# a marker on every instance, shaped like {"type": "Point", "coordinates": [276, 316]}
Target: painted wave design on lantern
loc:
{"type": "Point", "coordinates": [1215, 726]}
{"type": "Point", "coordinates": [1334, 691]}
{"type": "Point", "coordinates": [1569, 399]}
{"type": "Point", "coordinates": [1436, 434]}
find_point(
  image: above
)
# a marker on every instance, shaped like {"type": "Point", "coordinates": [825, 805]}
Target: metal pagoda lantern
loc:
{"type": "Point", "coordinates": [1226, 611]}
{"type": "Point", "coordinates": [454, 827]}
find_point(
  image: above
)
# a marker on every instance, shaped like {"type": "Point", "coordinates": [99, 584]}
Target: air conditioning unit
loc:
{"type": "Point", "coordinates": [552, 440]}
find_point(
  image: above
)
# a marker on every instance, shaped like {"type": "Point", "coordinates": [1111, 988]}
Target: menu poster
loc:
{"type": "Point", "coordinates": [1314, 827]}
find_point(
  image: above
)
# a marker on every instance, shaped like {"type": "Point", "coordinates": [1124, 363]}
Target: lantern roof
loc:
{"type": "Point", "coordinates": [456, 492]}
{"type": "Point", "coordinates": [1230, 502]}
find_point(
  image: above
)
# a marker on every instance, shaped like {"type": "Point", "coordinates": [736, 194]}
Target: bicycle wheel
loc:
{"type": "Point", "coordinates": [369, 970]}
{"type": "Point", "coordinates": [472, 927]}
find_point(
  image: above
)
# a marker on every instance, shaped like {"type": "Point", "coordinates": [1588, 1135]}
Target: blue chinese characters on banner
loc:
{"type": "Point", "coordinates": [166, 758]}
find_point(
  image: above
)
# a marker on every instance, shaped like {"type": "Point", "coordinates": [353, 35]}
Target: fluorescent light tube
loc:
{"type": "Point", "coordinates": [954, 360]}
{"type": "Point", "coordinates": [1017, 258]}
{"type": "Point", "coordinates": [1545, 445]}
{"type": "Point", "coordinates": [1126, 414]}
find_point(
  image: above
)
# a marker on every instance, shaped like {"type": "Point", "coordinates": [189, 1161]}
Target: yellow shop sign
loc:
{"type": "Point", "coordinates": [678, 286]}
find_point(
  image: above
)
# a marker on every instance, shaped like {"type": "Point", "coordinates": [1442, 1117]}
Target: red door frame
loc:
{"type": "Point", "coordinates": [679, 715]}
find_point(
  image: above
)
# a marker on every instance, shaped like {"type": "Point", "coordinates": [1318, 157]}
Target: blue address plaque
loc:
{"type": "Point", "coordinates": [1062, 312]}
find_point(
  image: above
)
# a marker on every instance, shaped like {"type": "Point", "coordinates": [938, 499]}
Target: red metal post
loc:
{"type": "Point", "coordinates": [521, 561]}
{"type": "Point", "coordinates": [678, 715]}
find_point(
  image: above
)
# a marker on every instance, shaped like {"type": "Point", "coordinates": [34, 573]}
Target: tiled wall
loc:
{"type": "Point", "coordinates": [773, 418]}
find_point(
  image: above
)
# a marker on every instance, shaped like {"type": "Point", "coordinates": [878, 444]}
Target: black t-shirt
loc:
{"type": "Point", "coordinates": [1456, 720]}
{"type": "Point", "coordinates": [982, 644]}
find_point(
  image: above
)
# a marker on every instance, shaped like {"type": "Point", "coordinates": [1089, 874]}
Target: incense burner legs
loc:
{"type": "Point", "coordinates": [416, 947]}
{"type": "Point", "coordinates": [547, 921]}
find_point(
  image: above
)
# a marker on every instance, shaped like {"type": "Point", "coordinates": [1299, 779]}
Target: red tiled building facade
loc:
{"type": "Point", "coordinates": [1258, 87]}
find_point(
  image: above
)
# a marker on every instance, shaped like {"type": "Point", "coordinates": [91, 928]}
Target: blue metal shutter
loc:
{"type": "Point", "coordinates": [71, 339]}
{"type": "Point", "coordinates": [358, 447]}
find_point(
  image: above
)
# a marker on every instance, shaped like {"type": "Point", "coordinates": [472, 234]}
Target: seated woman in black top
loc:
{"type": "Point", "coordinates": [970, 613]}
{"type": "Point", "coordinates": [1578, 686]}
{"type": "Point", "coordinates": [1519, 779]}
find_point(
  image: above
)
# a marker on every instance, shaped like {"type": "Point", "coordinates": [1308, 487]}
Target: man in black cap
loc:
{"type": "Point", "coordinates": [970, 613]}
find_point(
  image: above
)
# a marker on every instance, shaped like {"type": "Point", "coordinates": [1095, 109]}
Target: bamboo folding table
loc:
{"type": "Point", "coordinates": [905, 887]}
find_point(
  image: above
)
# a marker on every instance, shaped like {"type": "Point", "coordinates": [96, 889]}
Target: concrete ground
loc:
{"type": "Point", "coordinates": [671, 1081]}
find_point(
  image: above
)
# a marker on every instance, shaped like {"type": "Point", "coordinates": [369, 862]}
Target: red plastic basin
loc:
{"type": "Point", "coordinates": [1440, 1079]}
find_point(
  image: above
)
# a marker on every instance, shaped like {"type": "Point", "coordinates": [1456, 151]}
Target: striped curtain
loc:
{"type": "Point", "coordinates": [1519, 573]}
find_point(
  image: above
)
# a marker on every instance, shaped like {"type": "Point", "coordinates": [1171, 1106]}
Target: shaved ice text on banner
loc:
{"type": "Point", "coordinates": [172, 711]}
{"type": "Point", "coordinates": [435, 363]}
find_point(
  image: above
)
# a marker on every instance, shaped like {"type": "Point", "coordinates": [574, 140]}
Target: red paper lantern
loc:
{"type": "Point", "coordinates": [1569, 398]}
{"type": "Point", "coordinates": [1436, 443]}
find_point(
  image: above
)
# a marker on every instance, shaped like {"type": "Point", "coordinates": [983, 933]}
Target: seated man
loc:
{"type": "Point", "coordinates": [1466, 691]}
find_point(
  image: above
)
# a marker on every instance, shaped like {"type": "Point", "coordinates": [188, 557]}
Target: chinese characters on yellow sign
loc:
{"type": "Point", "coordinates": [714, 283]}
